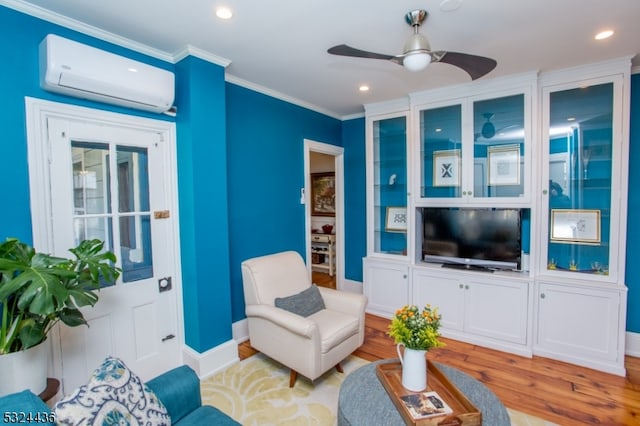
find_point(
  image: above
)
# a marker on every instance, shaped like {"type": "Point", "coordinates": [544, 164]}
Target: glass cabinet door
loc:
{"type": "Point", "coordinates": [580, 179]}
{"type": "Point", "coordinates": [390, 185]}
{"type": "Point", "coordinates": [474, 150]}
{"type": "Point", "coordinates": [441, 152]}
{"type": "Point", "coordinates": [499, 147]}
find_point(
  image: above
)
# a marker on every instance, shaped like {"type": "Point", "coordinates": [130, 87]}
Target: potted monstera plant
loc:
{"type": "Point", "coordinates": [37, 291]}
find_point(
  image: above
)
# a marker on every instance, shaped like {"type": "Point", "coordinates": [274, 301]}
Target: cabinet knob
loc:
{"type": "Point", "coordinates": [461, 285]}
{"type": "Point", "coordinates": [470, 193]}
{"type": "Point", "coordinates": [542, 296]}
{"type": "Point", "coordinates": [466, 287]}
{"type": "Point", "coordinates": [545, 192]}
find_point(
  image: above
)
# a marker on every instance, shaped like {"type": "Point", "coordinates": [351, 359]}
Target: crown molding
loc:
{"type": "Point", "coordinates": [275, 94]}
{"type": "Point", "coordinates": [190, 50]}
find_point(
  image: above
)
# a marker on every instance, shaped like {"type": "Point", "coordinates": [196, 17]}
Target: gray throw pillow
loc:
{"type": "Point", "coordinates": [305, 303]}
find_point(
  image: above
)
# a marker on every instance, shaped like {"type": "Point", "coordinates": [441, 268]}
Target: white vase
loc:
{"type": "Point", "coordinates": [414, 368]}
{"type": "Point", "coordinates": [24, 370]}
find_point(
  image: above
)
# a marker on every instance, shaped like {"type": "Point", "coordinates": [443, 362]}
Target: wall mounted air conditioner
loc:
{"type": "Point", "coordinates": [83, 71]}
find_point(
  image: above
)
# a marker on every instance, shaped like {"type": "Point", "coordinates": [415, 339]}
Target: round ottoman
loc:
{"type": "Point", "coordinates": [364, 401]}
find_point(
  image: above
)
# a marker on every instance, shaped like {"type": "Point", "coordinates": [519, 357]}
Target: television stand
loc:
{"type": "Point", "coordinates": [466, 267]}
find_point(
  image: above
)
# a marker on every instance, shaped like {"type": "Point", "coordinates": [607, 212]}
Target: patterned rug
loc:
{"type": "Point", "coordinates": [256, 392]}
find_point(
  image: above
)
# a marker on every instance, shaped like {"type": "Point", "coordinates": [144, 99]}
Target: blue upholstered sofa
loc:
{"type": "Point", "coordinates": [178, 389]}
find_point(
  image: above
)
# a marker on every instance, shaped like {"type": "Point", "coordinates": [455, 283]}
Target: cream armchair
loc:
{"type": "Point", "coordinates": [307, 345]}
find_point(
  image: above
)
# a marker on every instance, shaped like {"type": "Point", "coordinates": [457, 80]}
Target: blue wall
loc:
{"type": "Point", "coordinates": [633, 226]}
{"type": "Point", "coordinates": [202, 181]}
{"type": "Point", "coordinates": [265, 159]}
{"type": "Point", "coordinates": [355, 192]}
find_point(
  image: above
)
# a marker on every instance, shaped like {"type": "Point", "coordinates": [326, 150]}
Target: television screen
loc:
{"type": "Point", "coordinates": [472, 237]}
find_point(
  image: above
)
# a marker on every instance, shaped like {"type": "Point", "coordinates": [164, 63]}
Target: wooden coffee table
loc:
{"type": "Point", "coordinates": [364, 401]}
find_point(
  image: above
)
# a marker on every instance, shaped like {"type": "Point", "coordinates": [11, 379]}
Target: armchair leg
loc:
{"type": "Point", "coordinates": [339, 368]}
{"type": "Point", "coordinates": [292, 378]}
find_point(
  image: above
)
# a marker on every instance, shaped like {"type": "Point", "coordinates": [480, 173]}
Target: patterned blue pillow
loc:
{"type": "Point", "coordinates": [113, 396]}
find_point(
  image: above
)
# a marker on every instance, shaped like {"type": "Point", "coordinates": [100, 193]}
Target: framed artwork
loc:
{"type": "Point", "coordinates": [504, 165]}
{"type": "Point", "coordinates": [396, 219]}
{"type": "Point", "coordinates": [323, 194]}
{"type": "Point", "coordinates": [446, 168]}
{"type": "Point", "coordinates": [575, 226]}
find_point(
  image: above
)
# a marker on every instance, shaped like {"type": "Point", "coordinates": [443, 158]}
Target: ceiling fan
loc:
{"type": "Point", "coordinates": [417, 53]}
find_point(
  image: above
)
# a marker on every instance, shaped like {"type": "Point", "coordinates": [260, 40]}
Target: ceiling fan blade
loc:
{"type": "Point", "coordinates": [475, 66]}
{"type": "Point", "coordinates": [344, 50]}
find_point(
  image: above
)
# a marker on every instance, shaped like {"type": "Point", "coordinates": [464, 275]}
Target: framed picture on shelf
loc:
{"type": "Point", "coordinates": [446, 168]}
{"type": "Point", "coordinates": [575, 226]}
{"type": "Point", "coordinates": [323, 194]}
{"type": "Point", "coordinates": [396, 219]}
{"type": "Point", "coordinates": [504, 164]}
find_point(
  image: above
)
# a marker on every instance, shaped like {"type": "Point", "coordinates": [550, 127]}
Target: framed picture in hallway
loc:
{"type": "Point", "coordinates": [323, 194]}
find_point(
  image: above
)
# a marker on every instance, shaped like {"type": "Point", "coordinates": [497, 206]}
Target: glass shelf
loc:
{"type": "Point", "coordinates": [580, 178]}
{"type": "Point", "coordinates": [390, 185]}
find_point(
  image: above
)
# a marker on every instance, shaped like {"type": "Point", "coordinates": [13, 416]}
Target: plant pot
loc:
{"type": "Point", "coordinates": [24, 370]}
{"type": "Point", "coordinates": [414, 368]}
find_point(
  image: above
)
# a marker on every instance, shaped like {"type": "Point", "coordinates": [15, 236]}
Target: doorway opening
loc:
{"type": "Point", "coordinates": [324, 213]}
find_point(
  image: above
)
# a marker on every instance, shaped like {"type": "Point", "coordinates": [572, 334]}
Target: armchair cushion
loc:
{"type": "Point", "coordinates": [305, 303]}
{"type": "Point", "coordinates": [334, 327]}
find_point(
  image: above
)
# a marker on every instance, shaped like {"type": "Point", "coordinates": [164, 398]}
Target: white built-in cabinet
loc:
{"type": "Point", "coordinates": [580, 323]}
{"type": "Point", "coordinates": [383, 297]}
{"type": "Point", "coordinates": [478, 307]}
{"type": "Point", "coordinates": [568, 300]}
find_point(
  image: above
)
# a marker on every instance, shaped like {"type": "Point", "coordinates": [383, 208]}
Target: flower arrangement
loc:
{"type": "Point", "coordinates": [415, 329]}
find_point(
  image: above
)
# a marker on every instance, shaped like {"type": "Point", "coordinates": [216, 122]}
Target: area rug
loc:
{"type": "Point", "coordinates": [256, 392]}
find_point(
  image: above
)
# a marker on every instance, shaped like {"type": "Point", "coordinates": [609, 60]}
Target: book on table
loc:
{"type": "Point", "coordinates": [425, 405]}
{"type": "Point", "coordinates": [461, 411]}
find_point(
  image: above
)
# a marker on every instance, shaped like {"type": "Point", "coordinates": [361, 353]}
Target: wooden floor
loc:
{"type": "Point", "coordinates": [555, 391]}
{"type": "Point", "coordinates": [323, 280]}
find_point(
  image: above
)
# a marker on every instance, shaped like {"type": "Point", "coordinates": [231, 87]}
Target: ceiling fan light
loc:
{"type": "Point", "coordinates": [488, 130]}
{"type": "Point", "coordinates": [416, 61]}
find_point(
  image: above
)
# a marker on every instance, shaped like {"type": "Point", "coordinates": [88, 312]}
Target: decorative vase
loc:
{"type": "Point", "coordinates": [414, 368]}
{"type": "Point", "coordinates": [24, 370]}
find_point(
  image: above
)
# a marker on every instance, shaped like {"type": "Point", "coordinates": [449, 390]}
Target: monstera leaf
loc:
{"type": "Point", "coordinates": [38, 290]}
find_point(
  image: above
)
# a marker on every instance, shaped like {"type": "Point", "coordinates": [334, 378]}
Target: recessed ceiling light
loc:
{"type": "Point", "coordinates": [224, 13]}
{"type": "Point", "coordinates": [438, 130]}
{"type": "Point", "coordinates": [603, 34]}
{"type": "Point", "coordinates": [363, 88]}
{"type": "Point", "coordinates": [450, 5]}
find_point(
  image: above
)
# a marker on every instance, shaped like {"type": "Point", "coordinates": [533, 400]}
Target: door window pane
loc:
{"type": "Point", "coordinates": [90, 178]}
{"type": "Point", "coordinates": [134, 215]}
{"type": "Point", "coordinates": [93, 212]}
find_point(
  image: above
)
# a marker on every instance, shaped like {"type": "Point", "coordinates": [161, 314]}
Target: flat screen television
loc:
{"type": "Point", "coordinates": [472, 238]}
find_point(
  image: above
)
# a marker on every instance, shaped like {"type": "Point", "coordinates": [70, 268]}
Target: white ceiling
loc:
{"type": "Point", "coordinates": [280, 46]}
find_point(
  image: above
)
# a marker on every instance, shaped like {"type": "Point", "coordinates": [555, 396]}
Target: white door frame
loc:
{"type": "Point", "coordinates": [338, 153]}
{"type": "Point", "coordinates": [38, 112]}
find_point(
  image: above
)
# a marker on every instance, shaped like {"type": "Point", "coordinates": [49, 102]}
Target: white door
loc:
{"type": "Point", "coordinates": [108, 182]}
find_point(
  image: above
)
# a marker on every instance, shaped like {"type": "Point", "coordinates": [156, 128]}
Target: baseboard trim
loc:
{"type": "Point", "coordinates": [351, 286]}
{"type": "Point", "coordinates": [210, 362]}
{"type": "Point", "coordinates": [240, 331]}
{"type": "Point", "coordinates": [632, 347]}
